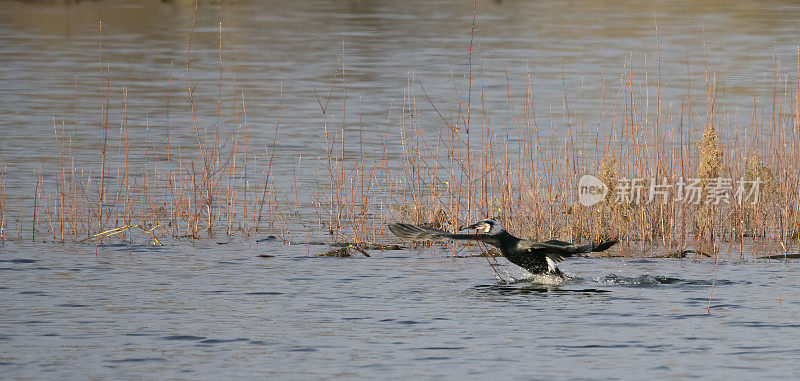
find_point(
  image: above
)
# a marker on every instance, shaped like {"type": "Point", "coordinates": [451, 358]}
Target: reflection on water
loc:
{"type": "Point", "coordinates": [529, 288]}
{"type": "Point", "coordinates": [370, 60]}
{"type": "Point", "coordinates": [284, 55]}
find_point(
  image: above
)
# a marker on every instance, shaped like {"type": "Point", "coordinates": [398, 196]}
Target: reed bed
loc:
{"type": "Point", "coordinates": [149, 182]}
{"type": "Point", "coordinates": [745, 189]}
{"type": "Point", "coordinates": [453, 168]}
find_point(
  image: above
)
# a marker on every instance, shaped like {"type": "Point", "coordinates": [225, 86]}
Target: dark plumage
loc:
{"type": "Point", "coordinates": [536, 257]}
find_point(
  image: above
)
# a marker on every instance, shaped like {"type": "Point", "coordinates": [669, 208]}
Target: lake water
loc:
{"type": "Point", "coordinates": [209, 311]}
{"type": "Point", "coordinates": [203, 310]}
{"type": "Point", "coordinates": [282, 56]}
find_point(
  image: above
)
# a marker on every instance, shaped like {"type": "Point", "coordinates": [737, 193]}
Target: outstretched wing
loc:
{"type": "Point", "coordinates": [422, 233]}
{"type": "Point", "coordinates": [558, 250]}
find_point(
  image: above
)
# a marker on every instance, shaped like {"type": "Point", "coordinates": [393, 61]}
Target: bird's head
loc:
{"type": "Point", "coordinates": [488, 226]}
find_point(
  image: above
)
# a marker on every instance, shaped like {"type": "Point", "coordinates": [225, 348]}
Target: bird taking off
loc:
{"type": "Point", "coordinates": [536, 257]}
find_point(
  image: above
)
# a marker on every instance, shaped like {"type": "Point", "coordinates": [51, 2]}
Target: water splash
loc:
{"type": "Point", "coordinates": [550, 280]}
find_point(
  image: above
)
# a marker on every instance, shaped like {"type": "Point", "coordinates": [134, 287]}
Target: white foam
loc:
{"type": "Point", "coordinates": [542, 279]}
{"type": "Point", "coordinates": [547, 279]}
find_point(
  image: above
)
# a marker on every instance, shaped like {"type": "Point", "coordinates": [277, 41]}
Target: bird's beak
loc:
{"type": "Point", "coordinates": [480, 227]}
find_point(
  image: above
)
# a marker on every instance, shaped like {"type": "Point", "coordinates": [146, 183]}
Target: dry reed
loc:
{"type": "Point", "coordinates": [466, 170]}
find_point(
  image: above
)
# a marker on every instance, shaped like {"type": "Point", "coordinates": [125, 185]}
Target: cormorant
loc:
{"type": "Point", "coordinates": [536, 257]}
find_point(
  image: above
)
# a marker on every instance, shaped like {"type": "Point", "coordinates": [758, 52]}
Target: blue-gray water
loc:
{"type": "Point", "coordinates": [198, 310]}
{"type": "Point", "coordinates": [211, 311]}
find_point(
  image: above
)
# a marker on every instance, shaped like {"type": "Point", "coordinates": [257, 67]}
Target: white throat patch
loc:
{"type": "Point", "coordinates": [551, 265]}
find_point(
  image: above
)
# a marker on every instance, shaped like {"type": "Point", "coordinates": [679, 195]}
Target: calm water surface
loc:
{"type": "Point", "coordinates": [204, 310]}
{"type": "Point", "coordinates": [284, 55]}
{"type": "Point", "coordinates": [209, 311]}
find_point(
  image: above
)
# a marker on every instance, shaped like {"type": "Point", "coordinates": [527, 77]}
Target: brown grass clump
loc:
{"type": "Point", "coordinates": [603, 212]}
{"type": "Point", "coordinates": [708, 170]}
{"type": "Point", "coordinates": [755, 215]}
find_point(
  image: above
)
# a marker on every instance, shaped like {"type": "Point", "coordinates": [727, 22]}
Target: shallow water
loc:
{"type": "Point", "coordinates": [205, 311]}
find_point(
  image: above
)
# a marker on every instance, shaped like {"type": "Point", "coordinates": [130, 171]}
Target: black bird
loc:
{"type": "Point", "coordinates": [536, 257]}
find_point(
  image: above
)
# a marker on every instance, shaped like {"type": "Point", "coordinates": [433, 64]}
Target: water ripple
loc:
{"type": "Point", "coordinates": [184, 337]}
{"type": "Point", "coordinates": [138, 359]}
{"type": "Point", "coordinates": [647, 280]}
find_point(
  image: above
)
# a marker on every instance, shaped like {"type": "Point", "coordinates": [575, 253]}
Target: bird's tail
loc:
{"type": "Point", "coordinates": [603, 246]}
{"type": "Point", "coordinates": [592, 247]}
